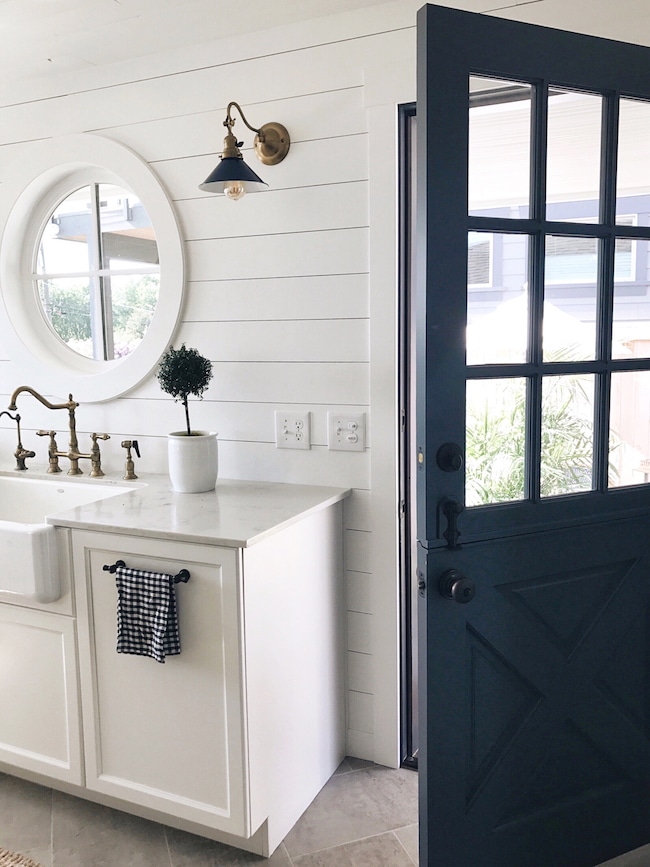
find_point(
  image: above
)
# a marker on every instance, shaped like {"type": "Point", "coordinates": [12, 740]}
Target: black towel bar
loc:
{"type": "Point", "coordinates": [183, 575]}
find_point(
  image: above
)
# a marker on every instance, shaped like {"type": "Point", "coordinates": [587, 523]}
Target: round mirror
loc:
{"type": "Point", "coordinates": [91, 268]}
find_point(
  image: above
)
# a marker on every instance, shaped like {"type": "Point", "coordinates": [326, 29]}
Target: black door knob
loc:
{"type": "Point", "coordinates": [454, 585]}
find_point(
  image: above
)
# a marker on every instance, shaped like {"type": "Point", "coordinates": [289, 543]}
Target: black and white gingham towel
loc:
{"type": "Point", "coordinates": [147, 620]}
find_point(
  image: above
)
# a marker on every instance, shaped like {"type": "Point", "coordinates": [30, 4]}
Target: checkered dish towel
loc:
{"type": "Point", "coordinates": [147, 620]}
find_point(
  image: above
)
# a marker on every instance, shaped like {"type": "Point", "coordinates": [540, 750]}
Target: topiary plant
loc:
{"type": "Point", "coordinates": [184, 372]}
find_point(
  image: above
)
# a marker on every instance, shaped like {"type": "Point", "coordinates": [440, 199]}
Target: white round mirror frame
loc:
{"type": "Point", "coordinates": [45, 173]}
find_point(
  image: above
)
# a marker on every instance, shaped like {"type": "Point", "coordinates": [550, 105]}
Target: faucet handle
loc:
{"type": "Point", "coordinates": [129, 473]}
{"type": "Point", "coordinates": [52, 450]}
{"type": "Point", "coordinates": [95, 456]}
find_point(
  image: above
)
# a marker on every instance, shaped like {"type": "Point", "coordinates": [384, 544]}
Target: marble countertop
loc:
{"type": "Point", "coordinates": [236, 514]}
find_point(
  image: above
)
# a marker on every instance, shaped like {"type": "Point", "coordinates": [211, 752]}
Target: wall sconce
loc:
{"type": "Point", "coordinates": [232, 176]}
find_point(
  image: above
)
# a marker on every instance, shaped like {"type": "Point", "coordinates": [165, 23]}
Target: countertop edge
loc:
{"type": "Point", "coordinates": [163, 501]}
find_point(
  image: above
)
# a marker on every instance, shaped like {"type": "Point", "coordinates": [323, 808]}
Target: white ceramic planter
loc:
{"type": "Point", "coordinates": [193, 461]}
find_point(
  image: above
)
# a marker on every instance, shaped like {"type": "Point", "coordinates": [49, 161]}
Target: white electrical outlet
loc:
{"type": "Point", "coordinates": [293, 430]}
{"type": "Point", "coordinates": [346, 432]}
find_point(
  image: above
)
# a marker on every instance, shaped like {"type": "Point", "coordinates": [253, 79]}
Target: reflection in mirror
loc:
{"type": "Point", "coordinates": [97, 271]}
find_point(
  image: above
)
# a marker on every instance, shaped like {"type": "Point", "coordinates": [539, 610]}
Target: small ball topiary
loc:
{"type": "Point", "coordinates": [184, 372]}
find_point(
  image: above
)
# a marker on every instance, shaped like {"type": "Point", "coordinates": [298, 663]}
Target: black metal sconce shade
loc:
{"type": "Point", "coordinates": [231, 169]}
{"type": "Point", "coordinates": [232, 176]}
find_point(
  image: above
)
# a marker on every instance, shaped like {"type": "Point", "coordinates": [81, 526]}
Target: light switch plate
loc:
{"type": "Point", "coordinates": [346, 432]}
{"type": "Point", "coordinates": [292, 430]}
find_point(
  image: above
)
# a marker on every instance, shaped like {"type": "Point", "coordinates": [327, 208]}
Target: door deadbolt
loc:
{"type": "Point", "coordinates": [449, 457]}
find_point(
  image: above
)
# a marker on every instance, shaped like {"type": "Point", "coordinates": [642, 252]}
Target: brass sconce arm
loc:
{"type": "Point", "coordinates": [271, 143]}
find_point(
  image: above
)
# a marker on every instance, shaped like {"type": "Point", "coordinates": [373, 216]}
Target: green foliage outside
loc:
{"type": "Point", "coordinates": [496, 440]}
{"type": "Point", "coordinates": [68, 308]}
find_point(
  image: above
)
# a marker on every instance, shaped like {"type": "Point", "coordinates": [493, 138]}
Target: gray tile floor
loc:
{"type": "Point", "coordinates": [366, 816]}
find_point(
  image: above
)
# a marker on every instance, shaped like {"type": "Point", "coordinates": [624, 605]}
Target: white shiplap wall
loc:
{"type": "Point", "coordinates": [278, 284]}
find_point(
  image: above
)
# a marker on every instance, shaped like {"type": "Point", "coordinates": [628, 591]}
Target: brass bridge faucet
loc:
{"type": "Point", "coordinates": [73, 454]}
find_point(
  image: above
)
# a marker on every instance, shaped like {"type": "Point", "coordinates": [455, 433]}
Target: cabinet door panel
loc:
{"type": "Point", "coordinates": [166, 736]}
{"type": "Point", "coordinates": [39, 708]}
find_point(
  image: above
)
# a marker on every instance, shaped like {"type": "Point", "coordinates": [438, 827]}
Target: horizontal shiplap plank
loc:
{"type": "Point", "coordinates": [360, 672]}
{"type": "Point", "coordinates": [323, 340]}
{"type": "Point", "coordinates": [313, 253]}
{"type": "Point", "coordinates": [358, 510]}
{"type": "Point", "coordinates": [342, 296]}
{"type": "Point", "coordinates": [359, 632]}
{"type": "Point", "coordinates": [275, 211]}
{"type": "Point", "coordinates": [361, 745]}
{"type": "Point", "coordinates": [259, 80]}
{"type": "Point", "coordinates": [357, 550]}
{"type": "Point", "coordinates": [360, 712]}
{"type": "Point", "coordinates": [316, 466]}
{"type": "Point", "coordinates": [340, 384]}
{"type": "Point", "coordinates": [358, 592]}
{"type": "Point", "coordinates": [202, 133]}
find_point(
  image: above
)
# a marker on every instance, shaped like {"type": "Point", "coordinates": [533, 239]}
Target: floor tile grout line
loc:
{"type": "Point", "coordinates": [349, 842]}
{"type": "Point", "coordinates": [52, 827]}
{"type": "Point", "coordinates": [169, 851]}
{"type": "Point", "coordinates": [408, 854]}
{"type": "Point", "coordinates": [292, 863]}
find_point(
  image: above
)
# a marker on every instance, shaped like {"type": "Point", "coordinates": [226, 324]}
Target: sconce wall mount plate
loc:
{"type": "Point", "coordinates": [272, 143]}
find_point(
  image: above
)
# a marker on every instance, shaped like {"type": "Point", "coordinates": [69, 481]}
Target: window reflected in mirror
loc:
{"type": "Point", "coordinates": [97, 271]}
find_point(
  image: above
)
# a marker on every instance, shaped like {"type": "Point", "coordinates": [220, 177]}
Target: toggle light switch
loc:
{"type": "Point", "coordinates": [346, 432]}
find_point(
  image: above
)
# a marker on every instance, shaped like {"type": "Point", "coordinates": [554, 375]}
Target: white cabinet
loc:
{"type": "Point", "coordinates": [39, 707]}
{"type": "Point", "coordinates": [235, 736]}
{"type": "Point", "coordinates": [166, 736]}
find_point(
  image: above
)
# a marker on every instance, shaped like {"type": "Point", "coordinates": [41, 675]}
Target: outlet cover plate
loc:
{"type": "Point", "coordinates": [346, 431]}
{"type": "Point", "coordinates": [292, 430]}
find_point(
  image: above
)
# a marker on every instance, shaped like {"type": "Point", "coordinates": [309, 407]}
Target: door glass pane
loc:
{"type": "Point", "coordinates": [631, 330]}
{"type": "Point", "coordinates": [573, 155]}
{"type": "Point", "coordinates": [496, 441]}
{"type": "Point", "coordinates": [497, 298]}
{"type": "Point", "coordinates": [499, 148]}
{"type": "Point", "coordinates": [567, 434]}
{"type": "Point", "coordinates": [633, 170]}
{"type": "Point", "coordinates": [629, 440]}
{"type": "Point", "coordinates": [571, 273]}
